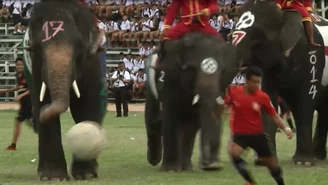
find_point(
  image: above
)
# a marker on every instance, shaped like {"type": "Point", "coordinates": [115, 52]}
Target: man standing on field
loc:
{"type": "Point", "coordinates": [247, 128]}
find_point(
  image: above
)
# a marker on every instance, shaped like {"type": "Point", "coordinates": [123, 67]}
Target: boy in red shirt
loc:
{"type": "Point", "coordinates": [247, 128]}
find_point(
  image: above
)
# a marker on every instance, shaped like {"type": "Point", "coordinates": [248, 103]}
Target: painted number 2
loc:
{"type": "Point", "coordinates": [313, 60]}
{"type": "Point", "coordinates": [161, 78]}
{"type": "Point", "coordinates": [54, 27]}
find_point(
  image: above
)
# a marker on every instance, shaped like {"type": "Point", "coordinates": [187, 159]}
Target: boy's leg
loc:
{"type": "Point", "coordinates": [235, 148]}
{"type": "Point", "coordinates": [17, 129]}
{"type": "Point", "coordinates": [263, 147]}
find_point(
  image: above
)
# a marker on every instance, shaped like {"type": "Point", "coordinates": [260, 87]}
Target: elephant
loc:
{"type": "Point", "coordinates": [63, 70]}
{"type": "Point", "coordinates": [275, 41]}
{"type": "Point", "coordinates": [186, 82]}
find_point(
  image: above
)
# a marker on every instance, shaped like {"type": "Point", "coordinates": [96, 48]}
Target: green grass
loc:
{"type": "Point", "coordinates": [124, 162]}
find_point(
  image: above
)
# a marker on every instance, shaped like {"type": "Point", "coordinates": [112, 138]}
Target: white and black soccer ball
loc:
{"type": "Point", "coordinates": [86, 140]}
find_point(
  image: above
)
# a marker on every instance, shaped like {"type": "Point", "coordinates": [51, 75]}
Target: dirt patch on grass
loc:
{"type": "Point", "coordinates": [110, 107]}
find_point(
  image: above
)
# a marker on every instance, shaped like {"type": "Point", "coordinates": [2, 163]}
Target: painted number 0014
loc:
{"type": "Point", "coordinates": [313, 60]}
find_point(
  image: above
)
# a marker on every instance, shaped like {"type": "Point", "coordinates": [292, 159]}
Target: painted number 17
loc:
{"type": "Point", "coordinates": [55, 27]}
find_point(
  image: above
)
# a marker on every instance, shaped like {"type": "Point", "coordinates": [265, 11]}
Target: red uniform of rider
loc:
{"type": "Point", "coordinates": [304, 7]}
{"type": "Point", "coordinates": [194, 17]}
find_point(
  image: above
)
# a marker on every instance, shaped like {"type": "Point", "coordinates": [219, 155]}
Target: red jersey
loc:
{"type": "Point", "coordinates": [246, 110]}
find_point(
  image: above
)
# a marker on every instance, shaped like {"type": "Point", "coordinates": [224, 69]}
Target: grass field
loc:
{"type": "Point", "coordinates": [124, 162]}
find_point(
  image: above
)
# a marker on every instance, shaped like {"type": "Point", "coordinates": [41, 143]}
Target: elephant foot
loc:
{"type": "Point", "coordinates": [154, 156]}
{"type": "Point", "coordinates": [303, 161]}
{"type": "Point", "coordinates": [174, 166]}
{"type": "Point", "coordinates": [320, 155]}
{"type": "Point", "coordinates": [320, 152]}
{"type": "Point", "coordinates": [214, 166]}
{"type": "Point", "coordinates": [84, 170]}
{"type": "Point", "coordinates": [53, 175]}
{"type": "Point", "coordinates": [187, 166]}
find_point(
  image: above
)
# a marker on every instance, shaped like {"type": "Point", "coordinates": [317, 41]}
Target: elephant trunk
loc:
{"type": "Point", "coordinates": [208, 91]}
{"type": "Point", "coordinates": [58, 73]}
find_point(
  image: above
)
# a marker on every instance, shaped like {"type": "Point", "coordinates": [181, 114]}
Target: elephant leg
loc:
{"type": "Point", "coordinates": [320, 135]}
{"type": "Point", "coordinates": [188, 131]}
{"type": "Point", "coordinates": [153, 128]}
{"type": "Point", "coordinates": [303, 119]}
{"type": "Point", "coordinates": [52, 163]}
{"type": "Point", "coordinates": [171, 159]}
{"type": "Point", "coordinates": [91, 106]}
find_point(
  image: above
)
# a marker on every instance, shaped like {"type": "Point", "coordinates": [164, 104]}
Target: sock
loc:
{"type": "Point", "coordinates": [290, 123]}
{"type": "Point", "coordinates": [277, 176]}
{"type": "Point", "coordinates": [240, 166]}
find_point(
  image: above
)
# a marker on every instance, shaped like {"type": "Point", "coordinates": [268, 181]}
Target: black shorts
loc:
{"type": "Point", "coordinates": [261, 143]}
{"type": "Point", "coordinates": [25, 111]}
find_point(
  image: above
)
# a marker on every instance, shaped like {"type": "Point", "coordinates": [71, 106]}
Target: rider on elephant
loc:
{"type": "Point", "coordinates": [194, 17]}
{"type": "Point", "coordinates": [304, 7]}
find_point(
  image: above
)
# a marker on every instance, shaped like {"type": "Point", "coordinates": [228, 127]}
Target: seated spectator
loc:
{"type": "Point", "coordinates": [109, 6]}
{"type": "Point", "coordinates": [225, 26]}
{"type": "Point", "coordinates": [138, 87]}
{"type": "Point", "coordinates": [138, 62]}
{"type": "Point", "coordinates": [154, 12]}
{"type": "Point", "coordinates": [146, 26]}
{"type": "Point", "coordinates": [142, 50]}
{"type": "Point", "coordinates": [159, 32]}
{"type": "Point", "coordinates": [129, 8]}
{"type": "Point", "coordinates": [235, 20]}
{"type": "Point", "coordinates": [146, 10]}
{"type": "Point", "coordinates": [111, 29]}
{"type": "Point", "coordinates": [125, 27]}
{"type": "Point", "coordinates": [128, 35]}
{"type": "Point", "coordinates": [214, 23]}
{"type": "Point", "coordinates": [129, 63]}
{"type": "Point", "coordinates": [239, 3]}
{"type": "Point", "coordinates": [122, 57]}
{"type": "Point", "coordinates": [18, 19]}
{"type": "Point", "coordinates": [139, 7]}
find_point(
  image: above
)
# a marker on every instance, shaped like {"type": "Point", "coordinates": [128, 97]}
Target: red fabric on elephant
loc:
{"type": "Point", "coordinates": [302, 6]}
{"type": "Point", "coordinates": [193, 22]}
{"type": "Point", "coordinates": [246, 110]}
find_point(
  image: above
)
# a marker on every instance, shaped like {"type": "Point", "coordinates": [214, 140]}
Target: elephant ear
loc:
{"type": "Point", "coordinates": [291, 31]}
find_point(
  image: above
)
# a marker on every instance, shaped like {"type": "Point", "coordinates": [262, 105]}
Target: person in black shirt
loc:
{"type": "Point", "coordinates": [25, 110]}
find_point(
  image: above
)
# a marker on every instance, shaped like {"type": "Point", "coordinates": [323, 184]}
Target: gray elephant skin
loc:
{"type": "Point", "coordinates": [275, 41]}
{"type": "Point", "coordinates": [182, 92]}
{"type": "Point", "coordinates": [63, 70]}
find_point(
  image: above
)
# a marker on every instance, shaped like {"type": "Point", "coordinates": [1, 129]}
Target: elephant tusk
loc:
{"type": "Point", "coordinates": [43, 91]}
{"type": "Point", "coordinates": [219, 100]}
{"type": "Point", "coordinates": [196, 99]}
{"type": "Point", "coordinates": [76, 89]}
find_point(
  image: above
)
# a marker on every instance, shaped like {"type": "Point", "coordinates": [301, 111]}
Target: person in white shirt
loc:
{"type": "Point", "coordinates": [154, 12]}
{"type": "Point", "coordinates": [238, 80]}
{"type": "Point", "coordinates": [146, 26]}
{"type": "Point", "coordinates": [138, 63]}
{"type": "Point", "coordinates": [125, 27]}
{"type": "Point", "coordinates": [141, 49]}
{"type": "Point", "coordinates": [214, 23]}
{"type": "Point", "coordinates": [138, 86]}
{"type": "Point", "coordinates": [225, 26]}
{"type": "Point", "coordinates": [146, 10]}
{"type": "Point", "coordinates": [111, 28]}
{"type": "Point", "coordinates": [129, 62]}
{"type": "Point", "coordinates": [159, 32]}
{"type": "Point", "coordinates": [128, 35]}
{"type": "Point", "coordinates": [18, 19]}
{"type": "Point", "coordinates": [120, 80]}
